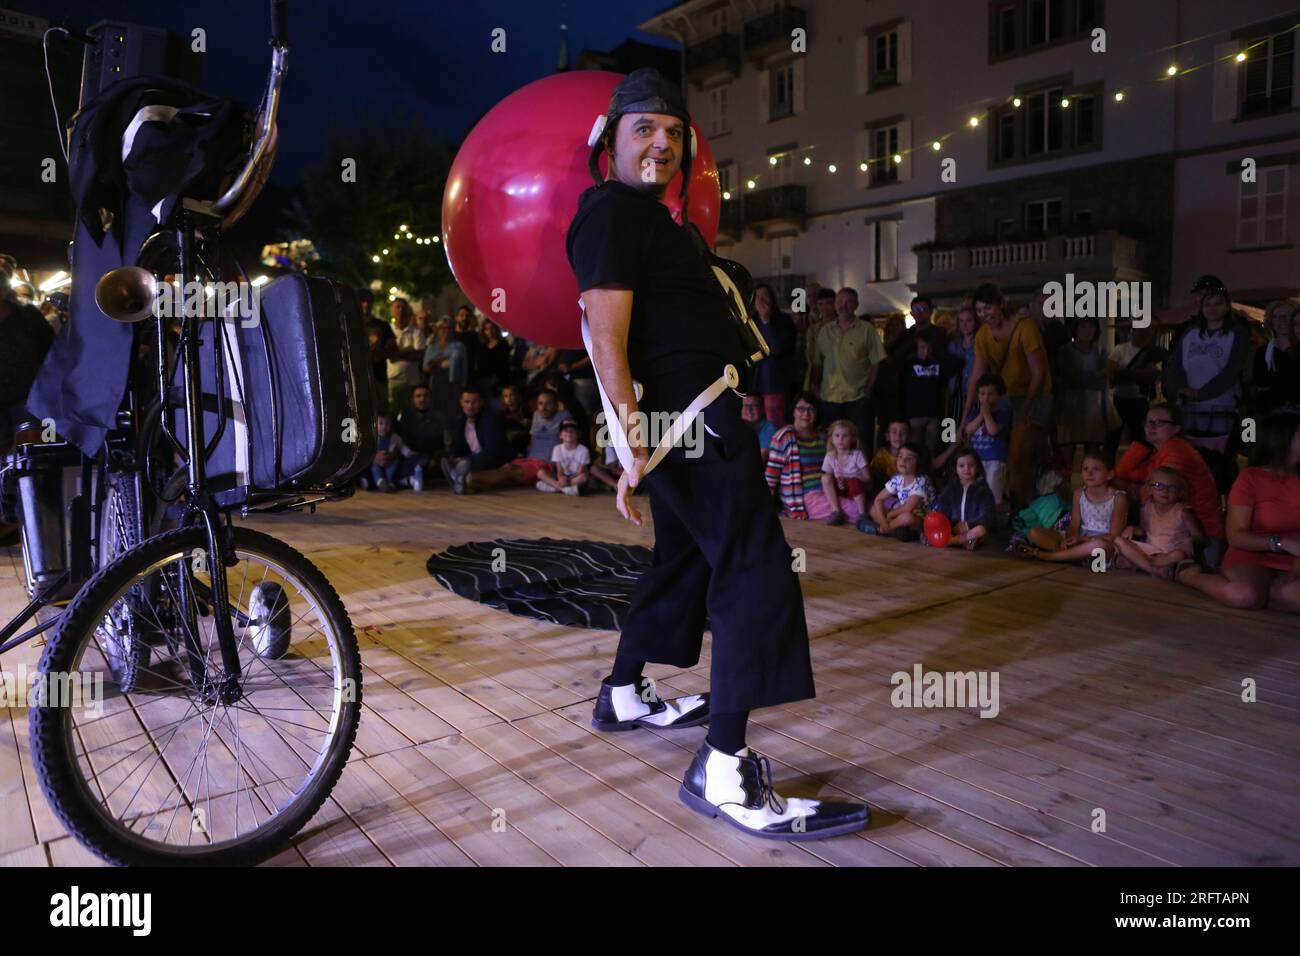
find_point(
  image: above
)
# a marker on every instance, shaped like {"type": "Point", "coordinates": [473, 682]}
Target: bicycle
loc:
{"type": "Point", "coordinates": [227, 668]}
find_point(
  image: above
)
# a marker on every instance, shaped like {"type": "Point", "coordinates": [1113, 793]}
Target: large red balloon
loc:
{"type": "Point", "coordinates": [513, 190]}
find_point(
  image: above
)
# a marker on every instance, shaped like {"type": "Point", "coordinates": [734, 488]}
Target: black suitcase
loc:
{"type": "Point", "coordinates": [299, 403]}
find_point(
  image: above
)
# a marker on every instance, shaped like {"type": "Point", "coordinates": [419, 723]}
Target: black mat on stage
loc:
{"type": "Point", "coordinates": [575, 583]}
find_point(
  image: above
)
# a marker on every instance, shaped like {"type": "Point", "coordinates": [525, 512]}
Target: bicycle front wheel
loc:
{"type": "Point", "coordinates": [189, 764]}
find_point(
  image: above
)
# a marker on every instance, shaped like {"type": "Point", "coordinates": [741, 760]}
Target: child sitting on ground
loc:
{"type": "Point", "coordinates": [967, 501]}
{"type": "Point", "coordinates": [390, 451]}
{"type": "Point", "coordinates": [844, 472]}
{"type": "Point", "coordinates": [1097, 517]}
{"type": "Point", "coordinates": [900, 507]}
{"type": "Point", "coordinates": [1168, 531]}
{"type": "Point", "coordinates": [882, 465]}
{"type": "Point", "coordinates": [570, 460]}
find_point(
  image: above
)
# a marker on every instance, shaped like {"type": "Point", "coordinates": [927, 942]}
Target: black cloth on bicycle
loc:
{"type": "Point", "coordinates": [719, 550]}
{"type": "Point", "coordinates": [84, 376]}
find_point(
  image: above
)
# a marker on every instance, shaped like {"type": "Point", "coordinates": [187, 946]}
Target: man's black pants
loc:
{"type": "Point", "coordinates": [720, 554]}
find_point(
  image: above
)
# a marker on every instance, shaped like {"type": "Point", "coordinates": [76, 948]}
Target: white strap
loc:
{"type": "Point", "coordinates": [730, 378]}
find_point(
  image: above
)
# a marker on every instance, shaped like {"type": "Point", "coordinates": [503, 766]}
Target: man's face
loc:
{"type": "Point", "coordinates": [988, 313]}
{"type": "Point", "coordinates": [420, 399]}
{"type": "Point", "coordinates": [648, 150]}
{"type": "Point", "coordinates": [921, 312]}
{"type": "Point", "coordinates": [510, 398]}
{"type": "Point", "coordinates": [846, 305]}
{"type": "Point", "coordinates": [751, 410]}
{"type": "Point", "coordinates": [546, 405]}
{"type": "Point", "coordinates": [462, 320]}
{"type": "Point", "coordinates": [471, 403]}
{"type": "Point", "coordinates": [826, 308]}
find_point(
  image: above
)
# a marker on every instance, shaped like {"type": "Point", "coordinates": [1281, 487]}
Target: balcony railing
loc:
{"type": "Point", "coordinates": [777, 202]}
{"type": "Point", "coordinates": [765, 34]}
{"type": "Point", "coordinates": [713, 57]}
{"type": "Point", "coordinates": [1106, 253]}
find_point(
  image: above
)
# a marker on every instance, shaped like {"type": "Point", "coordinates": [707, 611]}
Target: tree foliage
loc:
{"type": "Point", "coordinates": [400, 171]}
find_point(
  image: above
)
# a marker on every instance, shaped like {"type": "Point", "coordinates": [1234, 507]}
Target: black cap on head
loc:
{"type": "Point", "coordinates": [643, 91]}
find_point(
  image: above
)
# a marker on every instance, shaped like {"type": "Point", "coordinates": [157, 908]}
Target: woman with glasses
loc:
{"type": "Point", "coordinates": [794, 461]}
{"type": "Point", "coordinates": [1262, 567]}
{"type": "Point", "coordinates": [1165, 447]}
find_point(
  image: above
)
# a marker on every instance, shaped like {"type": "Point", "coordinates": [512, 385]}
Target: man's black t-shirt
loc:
{"type": "Point", "coordinates": [682, 333]}
{"type": "Point", "coordinates": [25, 337]}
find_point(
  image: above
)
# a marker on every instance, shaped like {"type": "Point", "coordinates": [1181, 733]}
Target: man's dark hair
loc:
{"type": "Point", "coordinates": [471, 390]}
{"type": "Point", "coordinates": [989, 294]}
{"type": "Point", "coordinates": [927, 334]}
{"type": "Point", "coordinates": [1275, 435]}
{"type": "Point", "coordinates": [825, 293]}
{"type": "Point", "coordinates": [923, 298]}
{"type": "Point", "coordinates": [991, 380]}
{"type": "Point", "coordinates": [850, 290]}
{"type": "Point", "coordinates": [548, 391]}
{"type": "Point", "coordinates": [418, 387]}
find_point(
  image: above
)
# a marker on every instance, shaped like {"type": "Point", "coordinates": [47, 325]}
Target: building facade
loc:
{"type": "Point", "coordinates": [929, 145]}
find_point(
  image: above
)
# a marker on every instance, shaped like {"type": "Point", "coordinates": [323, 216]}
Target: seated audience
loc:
{"type": "Point", "coordinates": [423, 429]}
{"type": "Point", "coordinates": [1097, 517]}
{"type": "Point", "coordinates": [844, 473]}
{"type": "Point", "coordinates": [390, 453]}
{"type": "Point", "coordinates": [1262, 566]}
{"type": "Point", "coordinates": [967, 501]}
{"type": "Point", "coordinates": [544, 436]}
{"type": "Point", "coordinates": [794, 460]}
{"type": "Point", "coordinates": [751, 410]}
{"type": "Point", "coordinates": [570, 460]}
{"type": "Point", "coordinates": [477, 442]}
{"type": "Point", "coordinates": [883, 466]}
{"type": "Point", "coordinates": [1167, 531]}
{"type": "Point", "coordinates": [900, 507]}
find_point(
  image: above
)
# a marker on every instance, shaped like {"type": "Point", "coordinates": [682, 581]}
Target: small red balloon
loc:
{"type": "Point", "coordinates": [513, 190]}
{"type": "Point", "coordinates": [938, 529]}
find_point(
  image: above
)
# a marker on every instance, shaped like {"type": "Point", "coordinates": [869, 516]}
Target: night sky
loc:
{"type": "Point", "coordinates": [357, 61]}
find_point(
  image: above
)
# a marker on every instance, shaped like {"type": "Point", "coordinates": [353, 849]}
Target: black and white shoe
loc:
{"type": "Point", "coordinates": [622, 708]}
{"type": "Point", "coordinates": [738, 788]}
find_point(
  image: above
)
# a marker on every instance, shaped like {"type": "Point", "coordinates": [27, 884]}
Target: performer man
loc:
{"type": "Point", "coordinates": [657, 314]}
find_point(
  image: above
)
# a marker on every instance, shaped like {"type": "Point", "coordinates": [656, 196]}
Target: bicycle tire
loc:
{"type": "Point", "coordinates": [53, 746]}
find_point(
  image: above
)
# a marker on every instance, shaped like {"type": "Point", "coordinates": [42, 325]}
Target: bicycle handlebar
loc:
{"type": "Point", "coordinates": [279, 23]}
{"type": "Point", "coordinates": [230, 200]}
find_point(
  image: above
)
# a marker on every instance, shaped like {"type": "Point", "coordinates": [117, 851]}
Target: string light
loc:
{"type": "Point", "coordinates": [1119, 96]}
{"type": "Point", "coordinates": [807, 160]}
{"type": "Point", "coordinates": [1015, 103]}
{"type": "Point", "coordinates": [384, 251]}
{"type": "Point", "coordinates": [1241, 57]}
{"type": "Point", "coordinates": [1172, 71]}
{"type": "Point", "coordinates": [936, 146]}
{"type": "Point", "coordinates": [862, 166]}
{"type": "Point", "coordinates": [771, 160]}
{"type": "Point", "coordinates": [1065, 102]}
{"type": "Point", "coordinates": [374, 258]}
{"type": "Point", "coordinates": [898, 159]}
{"type": "Point", "coordinates": [974, 121]}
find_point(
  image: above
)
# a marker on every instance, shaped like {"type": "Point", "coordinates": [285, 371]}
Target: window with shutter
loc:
{"type": "Point", "coordinates": [1269, 74]}
{"type": "Point", "coordinates": [1261, 209]}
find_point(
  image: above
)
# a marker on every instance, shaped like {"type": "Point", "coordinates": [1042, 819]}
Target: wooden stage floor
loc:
{"type": "Point", "coordinates": [1117, 694]}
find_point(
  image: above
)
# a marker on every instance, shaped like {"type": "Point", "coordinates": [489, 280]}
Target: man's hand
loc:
{"type": "Point", "coordinates": [627, 484]}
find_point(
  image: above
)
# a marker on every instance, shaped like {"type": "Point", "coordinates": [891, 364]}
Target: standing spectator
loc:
{"type": "Point", "coordinates": [1262, 567]}
{"type": "Point", "coordinates": [493, 358]}
{"type": "Point", "coordinates": [773, 375]}
{"type": "Point", "coordinates": [922, 310]}
{"type": "Point", "coordinates": [961, 345]}
{"type": "Point", "coordinates": [466, 332]}
{"type": "Point", "coordinates": [1053, 330]}
{"type": "Point", "coordinates": [1277, 364]}
{"type": "Point", "coordinates": [446, 365]}
{"type": "Point", "coordinates": [1164, 447]}
{"type": "Point", "coordinates": [924, 376]}
{"type": "Point", "coordinates": [849, 352]}
{"type": "Point", "coordinates": [794, 460]}
{"type": "Point", "coordinates": [538, 359]}
{"type": "Point", "coordinates": [404, 371]}
{"type": "Point", "coordinates": [820, 309]}
{"type": "Point", "coordinates": [1203, 374]}
{"type": "Point", "coordinates": [478, 442]}
{"type": "Point", "coordinates": [1014, 349]}
{"type": "Point", "coordinates": [25, 337]}
{"type": "Point", "coordinates": [423, 427]}
{"type": "Point", "coordinates": [1134, 369]}
{"type": "Point", "coordinates": [382, 345]}
{"type": "Point", "coordinates": [1084, 412]}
